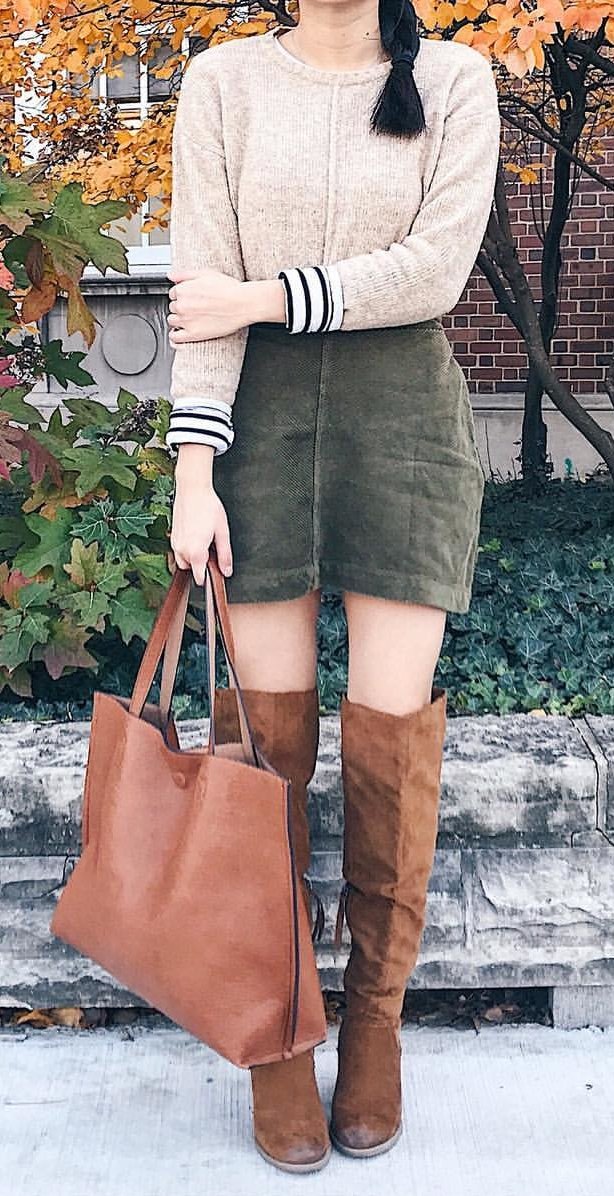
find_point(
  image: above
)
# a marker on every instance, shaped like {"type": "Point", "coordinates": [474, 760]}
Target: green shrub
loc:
{"type": "Point", "coordinates": [83, 544]}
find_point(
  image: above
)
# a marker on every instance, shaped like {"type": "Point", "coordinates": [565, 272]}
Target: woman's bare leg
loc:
{"type": "Point", "coordinates": [276, 643]}
{"type": "Point", "coordinates": [393, 651]}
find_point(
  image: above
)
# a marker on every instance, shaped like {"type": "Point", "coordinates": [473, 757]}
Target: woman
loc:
{"type": "Point", "coordinates": [331, 187]}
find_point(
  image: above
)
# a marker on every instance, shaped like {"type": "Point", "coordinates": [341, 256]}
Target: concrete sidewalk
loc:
{"type": "Point", "coordinates": [511, 1111]}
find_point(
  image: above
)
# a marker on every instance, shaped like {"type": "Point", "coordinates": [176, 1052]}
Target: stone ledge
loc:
{"type": "Point", "coordinates": [518, 780]}
{"type": "Point", "coordinates": [522, 891]}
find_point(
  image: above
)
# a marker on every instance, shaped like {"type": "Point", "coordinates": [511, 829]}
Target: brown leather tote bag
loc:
{"type": "Point", "coordinates": [186, 889]}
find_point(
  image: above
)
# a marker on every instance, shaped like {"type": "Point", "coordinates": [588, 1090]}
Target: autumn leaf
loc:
{"type": "Point", "coordinates": [19, 202]}
{"type": "Point", "coordinates": [47, 499]}
{"type": "Point", "coordinates": [44, 290]}
{"type": "Point", "coordinates": [83, 566]}
{"type": "Point", "coordinates": [65, 648]}
{"type": "Point", "coordinates": [14, 441]}
{"type": "Point", "coordinates": [11, 582]}
{"type": "Point", "coordinates": [43, 1019]}
{"type": "Point", "coordinates": [17, 680]}
{"type": "Point", "coordinates": [79, 318]}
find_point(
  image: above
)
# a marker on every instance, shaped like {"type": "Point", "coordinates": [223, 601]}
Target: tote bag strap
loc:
{"type": "Point", "coordinates": [166, 637]}
{"type": "Point", "coordinates": [216, 607]}
{"type": "Point", "coordinates": [170, 617]}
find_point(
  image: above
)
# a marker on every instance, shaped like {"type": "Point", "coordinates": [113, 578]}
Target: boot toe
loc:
{"type": "Point", "coordinates": [365, 1137]}
{"type": "Point", "coordinates": [300, 1154]}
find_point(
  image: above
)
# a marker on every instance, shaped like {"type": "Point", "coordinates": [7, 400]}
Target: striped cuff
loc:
{"type": "Point", "coordinates": [201, 423]}
{"type": "Point", "coordinates": [314, 298]}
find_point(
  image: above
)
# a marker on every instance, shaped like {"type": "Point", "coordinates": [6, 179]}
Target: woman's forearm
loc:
{"type": "Point", "coordinates": [194, 465]}
{"type": "Point", "coordinates": [265, 301]}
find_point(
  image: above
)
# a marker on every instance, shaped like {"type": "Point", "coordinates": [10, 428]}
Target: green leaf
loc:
{"type": "Point", "coordinates": [64, 366]}
{"type": "Point", "coordinates": [53, 546]}
{"type": "Point", "coordinates": [131, 616]}
{"type": "Point", "coordinates": [161, 421]}
{"type": "Point", "coordinates": [111, 577]}
{"type": "Point", "coordinates": [89, 606]}
{"type": "Point", "coordinates": [12, 534]}
{"type": "Point", "coordinates": [37, 593]}
{"type": "Point", "coordinates": [133, 520]}
{"type": "Point", "coordinates": [16, 646]}
{"type": "Point", "coordinates": [61, 432]}
{"type": "Point", "coordinates": [90, 411]}
{"type": "Point", "coordinates": [74, 231]}
{"type": "Point", "coordinates": [152, 567]}
{"type": "Point", "coordinates": [125, 400]}
{"type": "Point", "coordinates": [93, 464]}
{"type": "Point", "coordinates": [93, 523]}
{"type": "Point", "coordinates": [12, 402]}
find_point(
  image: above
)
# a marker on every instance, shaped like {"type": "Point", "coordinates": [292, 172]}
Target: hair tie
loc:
{"type": "Point", "coordinates": [408, 56]}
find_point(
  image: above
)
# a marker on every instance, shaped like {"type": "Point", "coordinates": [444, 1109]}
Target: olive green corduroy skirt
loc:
{"type": "Point", "coordinates": [354, 466]}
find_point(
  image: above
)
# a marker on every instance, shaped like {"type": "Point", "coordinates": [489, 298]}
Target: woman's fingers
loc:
{"type": "Point", "coordinates": [181, 561]}
{"type": "Point", "coordinates": [222, 544]}
{"type": "Point", "coordinates": [180, 336]}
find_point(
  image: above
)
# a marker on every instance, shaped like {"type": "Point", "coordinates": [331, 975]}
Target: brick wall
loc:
{"type": "Point", "coordinates": [486, 343]}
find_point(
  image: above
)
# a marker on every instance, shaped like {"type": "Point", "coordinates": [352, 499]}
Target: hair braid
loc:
{"type": "Point", "coordinates": [398, 108]}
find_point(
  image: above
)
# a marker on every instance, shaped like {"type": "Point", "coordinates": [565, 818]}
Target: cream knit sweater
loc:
{"type": "Point", "coordinates": [275, 167]}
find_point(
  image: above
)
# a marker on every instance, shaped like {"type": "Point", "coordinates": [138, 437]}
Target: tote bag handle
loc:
{"type": "Point", "coordinates": [166, 637]}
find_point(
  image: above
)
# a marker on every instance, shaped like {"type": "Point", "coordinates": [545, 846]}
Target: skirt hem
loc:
{"type": "Point", "coordinates": [283, 585]}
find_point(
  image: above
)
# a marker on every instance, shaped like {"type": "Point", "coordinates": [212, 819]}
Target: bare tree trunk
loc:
{"type": "Point", "coordinates": [501, 266]}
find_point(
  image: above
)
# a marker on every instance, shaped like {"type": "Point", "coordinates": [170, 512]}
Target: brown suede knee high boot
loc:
{"type": "Point", "coordinates": [290, 1128]}
{"type": "Point", "coordinates": [391, 766]}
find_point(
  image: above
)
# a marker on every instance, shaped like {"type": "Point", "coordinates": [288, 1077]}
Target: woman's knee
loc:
{"type": "Point", "coordinates": [276, 642]}
{"type": "Point", "coordinates": [393, 651]}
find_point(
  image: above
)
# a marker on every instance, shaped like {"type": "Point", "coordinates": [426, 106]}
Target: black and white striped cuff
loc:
{"type": "Point", "coordinates": [201, 423]}
{"type": "Point", "coordinates": [314, 298]}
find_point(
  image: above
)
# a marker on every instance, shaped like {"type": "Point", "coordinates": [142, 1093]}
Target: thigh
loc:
{"type": "Point", "coordinates": [276, 642]}
{"type": "Point", "coordinates": [393, 651]}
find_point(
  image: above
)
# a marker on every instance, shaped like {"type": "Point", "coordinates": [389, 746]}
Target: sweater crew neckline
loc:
{"type": "Point", "coordinates": [271, 39]}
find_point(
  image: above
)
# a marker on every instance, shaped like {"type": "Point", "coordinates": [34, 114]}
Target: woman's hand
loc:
{"type": "Point", "coordinates": [199, 516]}
{"type": "Point", "coordinates": [209, 303]}
{"type": "Point", "coordinates": [204, 305]}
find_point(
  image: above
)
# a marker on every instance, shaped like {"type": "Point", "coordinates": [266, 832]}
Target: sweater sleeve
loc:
{"type": "Point", "coordinates": [203, 232]}
{"type": "Point", "coordinates": [424, 275]}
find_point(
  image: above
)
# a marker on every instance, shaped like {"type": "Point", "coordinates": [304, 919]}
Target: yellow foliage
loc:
{"type": "Point", "coordinates": [115, 156]}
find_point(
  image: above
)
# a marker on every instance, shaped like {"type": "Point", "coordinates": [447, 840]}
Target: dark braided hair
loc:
{"type": "Point", "coordinates": [399, 108]}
